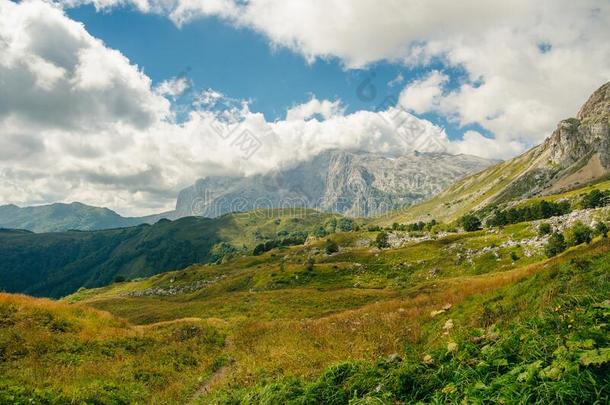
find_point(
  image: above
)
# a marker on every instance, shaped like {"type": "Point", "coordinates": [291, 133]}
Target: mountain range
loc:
{"type": "Point", "coordinates": [356, 184]}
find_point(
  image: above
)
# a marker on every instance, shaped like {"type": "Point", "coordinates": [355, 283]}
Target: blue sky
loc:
{"type": "Point", "coordinates": [241, 64]}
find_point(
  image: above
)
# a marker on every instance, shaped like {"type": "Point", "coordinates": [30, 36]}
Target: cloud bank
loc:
{"type": "Point", "coordinates": [79, 121]}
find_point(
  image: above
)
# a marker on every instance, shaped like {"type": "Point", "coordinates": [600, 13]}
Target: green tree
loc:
{"type": "Point", "coordinates": [470, 223]}
{"type": "Point", "coordinates": [320, 232]}
{"type": "Point", "coordinates": [382, 240]}
{"type": "Point", "coordinates": [309, 264]}
{"type": "Point", "coordinates": [544, 229]}
{"type": "Point", "coordinates": [331, 247]}
{"type": "Point", "coordinates": [595, 199]}
{"type": "Point", "coordinates": [346, 224]}
{"type": "Point", "coordinates": [556, 244]}
{"type": "Point", "coordinates": [579, 233]}
{"type": "Point", "coordinates": [602, 229]}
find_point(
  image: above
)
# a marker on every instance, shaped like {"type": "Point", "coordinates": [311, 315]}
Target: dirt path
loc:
{"type": "Point", "coordinates": [212, 381]}
{"type": "Point", "coordinates": [206, 387]}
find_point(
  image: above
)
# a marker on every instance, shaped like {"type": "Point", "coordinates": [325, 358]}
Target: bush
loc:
{"type": "Point", "coordinates": [309, 264]}
{"type": "Point", "coordinates": [346, 225]}
{"type": "Point", "coordinates": [544, 229]}
{"type": "Point", "coordinates": [373, 228]}
{"type": "Point", "coordinates": [556, 245]}
{"type": "Point", "coordinates": [382, 240]}
{"type": "Point", "coordinates": [596, 199]}
{"type": "Point", "coordinates": [119, 279]}
{"type": "Point", "coordinates": [602, 229]}
{"type": "Point", "coordinates": [579, 233]}
{"type": "Point", "coordinates": [331, 247]}
{"type": "Point", "coordinates": [320, 232]}
{"type": "Point", "coordinates": [470, 223]}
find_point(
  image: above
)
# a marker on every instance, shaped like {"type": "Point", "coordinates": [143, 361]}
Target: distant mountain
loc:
{"type": "Point", "coordinates": [57, 264]}
{"type": "Point", "coordinates": [63, 217]}
{"type": "Point", "coordinates": [356, 184]}
{"type": "Point", "coordinates": [576, 153]}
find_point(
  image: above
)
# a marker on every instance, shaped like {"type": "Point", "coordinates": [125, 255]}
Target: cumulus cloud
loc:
{"type": "Point", "coordinates": [79, 122]}
{"type": "Point", "coordinates": [425, 94]}
{"type": "Point", "coordinates": [173, 87]}
{"type": "Point", "coordinates": [324, 109]}
{"type": "Point", "coordinates": [473, 143]}
{"type": "Point", "coordinates": [528, 64]}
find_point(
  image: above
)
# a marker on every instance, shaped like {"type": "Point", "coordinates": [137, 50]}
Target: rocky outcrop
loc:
{"type": "Point", "coordinates": [352, 183]}
{"type": "Point", "coordinates": [576, 153]}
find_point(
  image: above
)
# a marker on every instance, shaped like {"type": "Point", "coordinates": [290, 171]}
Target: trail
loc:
{"type": "Point", "coordinates": [206, 386]}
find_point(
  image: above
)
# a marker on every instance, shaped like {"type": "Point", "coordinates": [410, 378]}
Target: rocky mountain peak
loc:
{"type": "Point", "coordinates": [597, 106]}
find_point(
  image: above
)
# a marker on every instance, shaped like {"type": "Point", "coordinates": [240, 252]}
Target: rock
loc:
{"type": "Point", "coordinates": [352, 183]}
{"type": "Point", "coordinates": [428, 359]}
{"type": "Point", "coordinates": [394, 358]}
{"type": "Point", "coordinates": [448, 325]}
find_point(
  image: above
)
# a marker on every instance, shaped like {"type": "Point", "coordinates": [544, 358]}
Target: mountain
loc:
{"type": "Point", "coordinates": [56, 264]}
{"type": "Point", "coordinates": [356, 184]}
{"type": "Point", "coordinates": [576, 153]}
{"type": "Point", "coordinates": [63, 217]}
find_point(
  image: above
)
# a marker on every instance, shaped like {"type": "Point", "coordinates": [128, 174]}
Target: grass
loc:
{"type": "Point", "coordinates": [537, 339]}
{"type": "Point", "coordinates": [355, 327]}
{"type": "Point", "coordinates": [52, 352]}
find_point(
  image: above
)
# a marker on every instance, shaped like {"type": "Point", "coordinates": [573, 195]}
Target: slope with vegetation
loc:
{"type": "Point", "coordinates": [56, 264]}
{"type": "Point", "coordinates": [577, 153]}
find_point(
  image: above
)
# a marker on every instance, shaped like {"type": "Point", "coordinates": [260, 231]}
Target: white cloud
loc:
{"type": "Point", "coordinates": [424, 95]}
{"type": "Point", "coordinates": [521, 90]}
{"type": "Point", "coordinates": [173, 87]}
{"type": "Point", "coordinates": [79, 122]}
{"type": "Point", "coordinates": [325, 109]}
{"type": "Point", "coordinates": [474, 143]}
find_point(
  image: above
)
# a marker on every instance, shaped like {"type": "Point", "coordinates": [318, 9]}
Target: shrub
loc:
{"type": "Point", "coordinates": [579, 233]}
{"type": "Point", "coordinates": [320, 232]}
{"type": "Point", "coordinates": [556, 244]}
{"type": "Point", "coordinates": [119, 279]}
{"type": "Point", "coordinates": [595, 199]}
{"type": "Point", "coordinates": [544, 229]}
{"type": "Point", "coordinates": [309, 264]}
{"type": "Point", "coordinates": [345, 225]}
{"type": "Point", "coordinates": [382, 240]}
{"type": "Point", "coordinates": [373, 228]}
{"type": "Point", "coordinates": [331, 247]}
{"type": "Point", "coordinates": [602, 229]}
{"type": "Point", "coordinates": [470, 223]}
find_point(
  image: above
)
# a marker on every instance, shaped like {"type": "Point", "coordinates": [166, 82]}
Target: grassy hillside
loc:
{"type": "Point", "coordinates": [469, 194]}
{"type": "Point", "coordinates": [54, 353]}
{"type": "Point", "coordinates": [378, 316]}
{"type": "Point", "coordinates": [56, 264]}
{"type": "Point", "coordinates": [286, 320]}
{"type": "Point", "coordinates": [265, 327]}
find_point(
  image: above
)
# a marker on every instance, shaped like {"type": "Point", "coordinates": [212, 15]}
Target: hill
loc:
{"type": "Point", "coordinates": [576, 153]}
{"type": "Point", "coordinates": [64, 217]}
{"type": "Point", "coordinates": [479, 315]}
{"type": "Point", "coordinates": [56, 264]}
